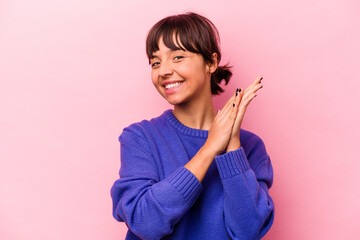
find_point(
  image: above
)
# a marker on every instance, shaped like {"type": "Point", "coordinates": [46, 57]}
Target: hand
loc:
{"type": "Point", "coordinates": [222, 126]}
{"type": "Point", "coordinates": [246, 97]}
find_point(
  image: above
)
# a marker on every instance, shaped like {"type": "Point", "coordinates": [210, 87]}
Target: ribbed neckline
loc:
{"type": "Point", "coordinates": [182, 128]}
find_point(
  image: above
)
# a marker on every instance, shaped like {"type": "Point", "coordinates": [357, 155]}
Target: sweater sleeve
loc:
{"type": "Point", "coordinates": [150, 207]}
{"type": "Point", "coordinates": [248, 207]}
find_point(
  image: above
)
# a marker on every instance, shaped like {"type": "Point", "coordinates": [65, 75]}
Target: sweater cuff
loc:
{"type": "Point", "coordinates": [186, 184]}
{"type": "Point", "coordinates": [232, 163]}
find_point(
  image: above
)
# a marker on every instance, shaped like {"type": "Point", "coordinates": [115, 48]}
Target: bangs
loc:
{"type": "Point", "coordinates": [178, 32]}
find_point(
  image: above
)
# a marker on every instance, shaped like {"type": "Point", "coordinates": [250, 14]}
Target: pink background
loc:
{"type": "Point", "coordinates": [74, 74]}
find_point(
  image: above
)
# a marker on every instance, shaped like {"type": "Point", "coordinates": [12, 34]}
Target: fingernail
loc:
{"type": "Point", "coordinates": [240, 90]}
{"type": "Point", "coordinates": [233, 104]}
{"type": "Point", "coordinates": [236, 94]}
{"type": "Point", "coordinates": [237, 90]}
{"type": "Point", "coordinates": [261, 79]}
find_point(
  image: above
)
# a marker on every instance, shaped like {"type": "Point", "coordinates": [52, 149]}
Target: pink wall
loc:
{"type": "Point", "coordinates": [74, 74]}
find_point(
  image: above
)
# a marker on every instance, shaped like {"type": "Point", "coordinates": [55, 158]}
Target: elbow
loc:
{"type": "Point", "coordinates": [147, 230]}
{"type": "Point", "coordinates": [266, 213]}
{"type": "Point", "coordinates": [267, 223]}
{"type": "Point", "coordinates": [260, 228]}
{"type": "Point", "coordinates": [141, 227]}
{"type": "Point", "coordinates": [145, 227]}
{"type": "Point", "coordinates": [254, 227]}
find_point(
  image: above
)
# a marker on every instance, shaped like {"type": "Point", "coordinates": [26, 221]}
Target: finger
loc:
{"type": "Point", "coordinates": [245, 102]}
{"type": "Point", "coordinates": [251, 97]}
{"type": "Point", "coordinates": [254, 83]}
{"type": "Point", "coordinates": [228, 105]}
{"type": "Point", "coordinates": [230, 102]}
{"type": "Point", "coordinates": [229, 116]}
{"type": "Point", "coordinates": [239, 94]}
{"type": "Point", "coordinates": [253, 90]}
{"type": "Point", "coordinates": [236, 98]}
{"type": "Point", "coordinates": [245, 99]}
{"type": "Point", "coordinates": [239, 99]}
{"type": "Point", "coordinates": [236, 105]}
{"type": "Point", "coordinates": [231, 99]}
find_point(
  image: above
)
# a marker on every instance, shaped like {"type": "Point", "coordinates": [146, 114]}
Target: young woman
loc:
{"type": "Point", "coordinates": [192, 172]}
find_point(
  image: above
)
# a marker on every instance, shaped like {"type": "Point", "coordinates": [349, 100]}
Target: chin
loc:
{"type": "Point", "coordinates": [174, 100]}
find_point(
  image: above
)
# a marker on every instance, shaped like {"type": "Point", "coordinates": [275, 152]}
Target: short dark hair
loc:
{"type": "Point", "coordinates": [196, 34]}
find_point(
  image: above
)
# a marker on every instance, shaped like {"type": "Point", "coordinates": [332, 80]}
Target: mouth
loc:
{"type": "Point", "coordinates": [173, 85]}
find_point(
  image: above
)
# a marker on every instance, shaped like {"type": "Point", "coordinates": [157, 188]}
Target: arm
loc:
{"type": "Point", "coordinates": [246, 97]}
{"type": "Point", "coordinates": [150, 207]}
{"type": "Point", "coordinates": [248, 207]}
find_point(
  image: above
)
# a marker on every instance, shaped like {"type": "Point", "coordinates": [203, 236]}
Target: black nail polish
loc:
{"type": "Point", "coordinates": [240, 90]}
{"type": "Point", "coordinates": [261, 79]}
{"type": "Point", "coordinates": [233, 104]}
{"type": "Point", "coordinates": [237, 90]}
{"type": "Point", "coordinates": [236, 94]}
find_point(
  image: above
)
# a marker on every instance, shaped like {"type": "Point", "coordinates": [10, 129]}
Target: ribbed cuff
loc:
{"type": "Point", "coordinates": [232, 163]}
{"type": "Point", "coordinates": [186, 183]}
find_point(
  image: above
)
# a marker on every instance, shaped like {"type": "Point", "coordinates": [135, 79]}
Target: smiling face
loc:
{"type": "Point", "coordinates": [180, 76]}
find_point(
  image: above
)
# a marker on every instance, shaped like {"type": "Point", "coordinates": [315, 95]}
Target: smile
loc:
{"type": "Point", "coordinates": [173, 85]}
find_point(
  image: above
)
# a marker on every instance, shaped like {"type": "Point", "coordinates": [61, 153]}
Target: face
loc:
{"type": "Point", "coordinates": [180, 76]}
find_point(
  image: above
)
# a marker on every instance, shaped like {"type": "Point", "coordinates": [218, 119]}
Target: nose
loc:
{"type": "Point", "coordinates": [166, 69]}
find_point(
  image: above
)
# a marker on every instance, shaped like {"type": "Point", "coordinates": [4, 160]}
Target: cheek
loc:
{"type": "Point", "coordinates": [153, 78]}
{"type": "Point", "coordinates": [199, 71]}
{"type": "Point", "coordinates": [189, 70]}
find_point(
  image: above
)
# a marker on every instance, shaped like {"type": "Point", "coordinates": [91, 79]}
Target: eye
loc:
{"type": "Point", "coordinates": [178, 57]}
{"type": "Point", "coordinates": [155, 64]}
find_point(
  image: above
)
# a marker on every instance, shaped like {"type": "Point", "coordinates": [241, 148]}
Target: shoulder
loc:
{"type": "Point", "coordinates": [249, 138]}
{"type": "Point", "coordinates": [144, 129]}
{"type": "Point", "coordinates": [254, 147]}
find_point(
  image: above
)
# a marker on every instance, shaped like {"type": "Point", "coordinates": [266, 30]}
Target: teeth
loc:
{"type": "Point", "coordinates": [172, 85]}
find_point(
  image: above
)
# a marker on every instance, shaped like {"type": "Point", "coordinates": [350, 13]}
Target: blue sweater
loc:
{"type": "Point", "coordinates": [158, 198]}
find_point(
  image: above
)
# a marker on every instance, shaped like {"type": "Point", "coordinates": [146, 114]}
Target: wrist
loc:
{"type": "Point", "coordinates": [233, 145]}
{"type": "Point", "coordinates": [209, 151]}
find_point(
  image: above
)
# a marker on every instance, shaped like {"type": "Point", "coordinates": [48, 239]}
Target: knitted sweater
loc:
{"type": "Point", "coordinates": [158, 198]}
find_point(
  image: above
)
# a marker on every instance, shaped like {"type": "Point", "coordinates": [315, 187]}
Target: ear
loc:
{"type": "Point", "coordinates": [211, 67]}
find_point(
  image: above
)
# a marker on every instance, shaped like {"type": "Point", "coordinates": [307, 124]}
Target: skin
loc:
{"type": "Point", "coordinates": [193, 104]}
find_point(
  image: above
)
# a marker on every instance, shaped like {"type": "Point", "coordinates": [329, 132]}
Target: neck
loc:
{"type": "Point", "coordinates": [196, 114]}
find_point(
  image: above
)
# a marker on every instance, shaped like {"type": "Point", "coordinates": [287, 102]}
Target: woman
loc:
{"type": "Point", "coordinates": [192, 172]}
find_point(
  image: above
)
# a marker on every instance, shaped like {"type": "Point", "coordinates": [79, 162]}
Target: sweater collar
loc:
{"type": "Point", "coordinates": [170, 117]}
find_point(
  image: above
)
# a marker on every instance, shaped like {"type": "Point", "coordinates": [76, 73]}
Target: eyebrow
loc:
{"type": "Point", "coordinates": [154, 55]}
